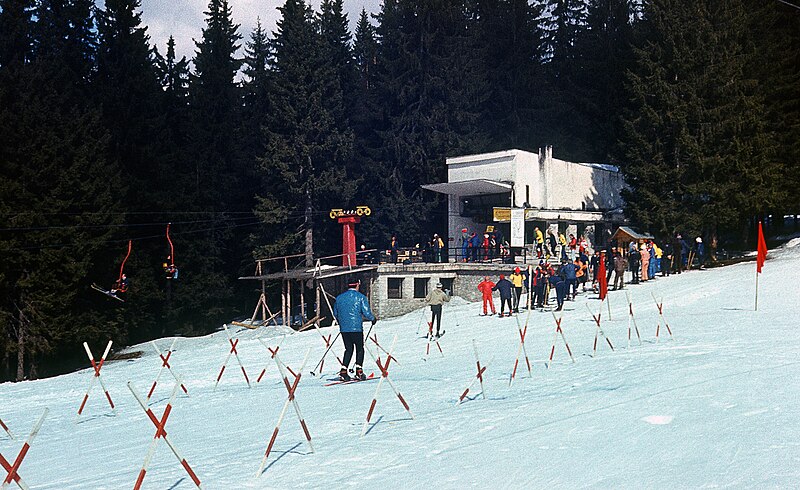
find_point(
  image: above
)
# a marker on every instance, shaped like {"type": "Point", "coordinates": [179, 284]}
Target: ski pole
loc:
{"type": "Point", "coordinates": [325, 354]}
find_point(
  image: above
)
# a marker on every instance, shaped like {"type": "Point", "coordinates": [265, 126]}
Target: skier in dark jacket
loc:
{"type": "Point", "coordinates": [568, 272]}
{"type": "Point", "coordinates": [505, 287]}
{"type": "Point", "coordinates": [393, 249]}
{"type": "Point", "coordinates": [667, 257]}
{"type": "Point", "coordinates": [633, 260]}
{"type": "Point", "coordinates": [561, 289]}
{"type": "Point", "coordinates": [684, 247]}
{"type": "Point", "coordinates": [350, 309]}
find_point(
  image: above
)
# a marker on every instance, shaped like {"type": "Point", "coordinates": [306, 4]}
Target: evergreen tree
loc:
{"type": "Point", "coordinates": [697, 154]}
{"type": "Point", "coordinates": [432, 90]}
{"type": "Point", "coordinates": [513, 50]}
{"type": "Point", "coordinates": [306, 144]}
{"type": "Point", "coordinates": [16, 32]}
{"type": "Point", "coordinates": [56, 190]}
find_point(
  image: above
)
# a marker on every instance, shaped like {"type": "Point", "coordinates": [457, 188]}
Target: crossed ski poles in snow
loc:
{"type": "Point", "coordinates": [291, 388]}
{"type": "Point", "coordinates": [555, 337]}
{"type": "Point", "coordinates": [161, 434]}
{"type": "Point", "coordinates": [97, 366]}
{"type": "Point", "coordinates": [12, 474]}
{"type": "Point", "coordinates": [632, 318]}
{"type": "Point", "coordinates": [384, 369]}
{"type": "Point", "coordinates": [521, 349]}
{"type": "Point", "coordinates": [478, 376]}
{"type": "Point", "coordinates": [599, 332]}
{"type": "Point", "coordinates": [660, 307]}
{"type": "Point", "coordinates": [235, 353]}
{"type": "Point", "coordinates": [164, 364]}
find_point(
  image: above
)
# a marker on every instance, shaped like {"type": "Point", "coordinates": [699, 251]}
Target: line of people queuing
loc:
{"type": "Point", "coordinates": [646, 260]}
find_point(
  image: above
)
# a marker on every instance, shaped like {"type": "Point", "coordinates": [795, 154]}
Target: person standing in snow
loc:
{"type": "Point", "coordinates": [436, 299]}
{"type": "Point", "coordinates": [620, 265]}
{"type": "Point", "coordinates": [666, 259]}
{"type": "Point", "coordinates": [350, 309]}
{"type": "Point", "coordinates": [633, 261]}
{"type": "Point", "coordinates": [569, 272]}
{"type": "Point", "coordinates": [700, 252]}
{"type": "Point", "coordinates": [552, 243]}
{"type": "Point", "coordinates": [504, 286]}
{"type": "Point", "coordinates": [645, 257]}
{"type": "Point", "coordinates": [517, 279]}
{"type": "Point", "coordinates": [558, 283]}
{"type": "Point", "coordinates": [485, 287]}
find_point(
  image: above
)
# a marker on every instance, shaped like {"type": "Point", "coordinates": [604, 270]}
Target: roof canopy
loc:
{"type": "Point", "coordinates": [626, 234]}
{"type": "Point", "coordinates": [476, 187]}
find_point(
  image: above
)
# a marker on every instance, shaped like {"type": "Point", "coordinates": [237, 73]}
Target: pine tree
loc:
{"type": "Point", "coordinates": [513, 50]}
{"type": "Point", "coordinates": [16, 32]}
{"type": "Point", "coordinates": [432, 89]}
{"type": "Point", "coordinates": [306, 144]}
{"type": "Point", "coordinates": [697, 155]}
{"type": "Point", "coordinates": [56, 191]}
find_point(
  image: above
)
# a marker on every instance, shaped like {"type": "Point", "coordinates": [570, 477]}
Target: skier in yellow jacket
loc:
{"type": "Point", "coordinates": [517, 279]}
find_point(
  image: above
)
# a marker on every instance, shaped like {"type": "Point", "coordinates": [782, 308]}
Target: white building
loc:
{"type": "Point", "coordinates": [579, 198]}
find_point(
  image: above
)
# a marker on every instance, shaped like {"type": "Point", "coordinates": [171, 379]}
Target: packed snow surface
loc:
{"type": "Point", "coordinates": [717, 406]}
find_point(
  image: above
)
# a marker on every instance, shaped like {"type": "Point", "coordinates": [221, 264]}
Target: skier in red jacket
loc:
{"type": "Point", "coordinates": [485, 288]}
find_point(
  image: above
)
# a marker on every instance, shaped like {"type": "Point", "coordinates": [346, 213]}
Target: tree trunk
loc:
{"type": "Point", "coordinates": [309, 226]}
{"type": "Point", "coordinates": [20, 346]}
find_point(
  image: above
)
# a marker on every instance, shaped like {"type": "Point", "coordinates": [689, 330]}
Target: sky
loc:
{"type": "Point", "coordinates": [184, 19]}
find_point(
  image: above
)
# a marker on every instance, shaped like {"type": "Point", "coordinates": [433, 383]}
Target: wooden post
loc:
{"type": "Point", "coordinates": [283, 302]}
{"type": "Point", "coordinates": [302, 301]}
{"type": "Point", "coordinates": [317, 307]}
{"type": "Point", "coordinates": [289, 300]}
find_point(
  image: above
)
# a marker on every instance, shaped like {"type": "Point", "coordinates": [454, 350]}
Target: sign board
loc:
{"type": "Point", "coordinates": [518, 227]}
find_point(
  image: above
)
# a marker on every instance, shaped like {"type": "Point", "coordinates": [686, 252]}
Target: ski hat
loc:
{"type": "Point", "coordinates": [463, 230]}
{"type": "Point", "coordinates": [438, 285]}
{"type": "Point", "coordinates": [698, 240]}
{"type": "Point", "coordinates": [354, 283]}
{"type": "Point", "coordinates": [502, 277]}
{"type": "Point", "coordinates": [516, 270]}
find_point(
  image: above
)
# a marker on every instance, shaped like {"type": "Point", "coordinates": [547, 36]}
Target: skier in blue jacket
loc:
{"type": "Point", "coordinates": [350, 309]}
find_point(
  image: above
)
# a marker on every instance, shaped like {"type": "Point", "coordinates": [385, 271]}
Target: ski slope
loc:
{"type": "Point", "coordinates": [717, 406]}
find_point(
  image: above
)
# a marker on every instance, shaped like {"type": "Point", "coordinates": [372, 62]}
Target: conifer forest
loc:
{"type": "Point", "coordinates": [106, 139]}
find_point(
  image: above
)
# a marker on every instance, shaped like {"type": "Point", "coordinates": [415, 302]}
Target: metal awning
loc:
{"type": "Point", "coordinates": [476, 187]}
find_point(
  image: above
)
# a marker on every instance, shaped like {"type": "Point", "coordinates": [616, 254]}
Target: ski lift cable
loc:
{"type": "Point", "coordinates": [790, 4]}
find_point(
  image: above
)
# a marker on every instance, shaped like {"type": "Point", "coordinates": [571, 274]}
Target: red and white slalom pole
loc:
{"type": "Point", "coordinates": [478, 376]}
{"type": "Point", "coordinates": [97, 366]}
{"type": "Point", "coordinates": [228, 358]}
{"type": "Point", "coordinates": [660, 306]}
{"type": "Point", "coordinates": [6, 429]}
{"type": "Point", "coordinates": [431, 340]}
{"type": "Point", "coordinates": [164, 364]}
{"type": "Point", "coordinates": [521, 349]}
{"type": "Point", "coordinates": [161, 434]}
{"type": "Point", "coordinates": [272, 354]}
{"type": "Point", "coordinates": [555, 337]}
{"type": "Point", "coordinates": [632, 319]}
{"type": "Point", "coordinates": [374, 339]}
{"type": "Point", "coordinates": [291, 388]}
{"type": "Point", "coordinates": [328, 342]}
{"type": "Point", "coordinates": [12, 469]}
{"type": "Point", "coordinates": [599, 332]}
{"type": "Point", "coordinates": [384, 368]}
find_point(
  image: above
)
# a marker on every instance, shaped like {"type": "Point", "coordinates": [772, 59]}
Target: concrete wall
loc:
{"type": "Point", "coordinates": [466, 278]}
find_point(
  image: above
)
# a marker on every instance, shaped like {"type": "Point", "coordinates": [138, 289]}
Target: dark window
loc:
{"type": "Point", "coordinates": [420, 287]}
{"type": "Point", "coordinates": [395, 287]}
{"type": "Point", "coordinates": [447, 284]}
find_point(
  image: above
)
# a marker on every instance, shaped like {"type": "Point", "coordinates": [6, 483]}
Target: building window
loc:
{"type": "Point", "coordinates": [447, 284]}
{"type": "Point", "coordinates": [395, 287]}
{"type": "Point", "coordinates": [420, 287]}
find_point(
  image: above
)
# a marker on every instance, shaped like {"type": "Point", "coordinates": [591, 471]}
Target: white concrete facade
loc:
{"type": "Point", "coordinates": [553, 190]}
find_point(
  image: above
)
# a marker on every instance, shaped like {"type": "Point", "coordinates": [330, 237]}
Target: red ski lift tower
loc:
{"type": "Point", "coordinates": [349, 219]}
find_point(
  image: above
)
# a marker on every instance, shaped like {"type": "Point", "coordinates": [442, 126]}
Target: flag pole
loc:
{"type": "Point", "coordinates": [757, 274]}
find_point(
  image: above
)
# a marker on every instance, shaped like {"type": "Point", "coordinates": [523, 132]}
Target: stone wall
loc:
{"type": "Point", "coordinates": [464, 277]}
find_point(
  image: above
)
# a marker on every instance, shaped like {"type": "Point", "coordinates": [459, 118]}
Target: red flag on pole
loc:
{"type": "Point", "coordinates": [762, 249]}
{"type": "Point", "coordinates": [601, 271]}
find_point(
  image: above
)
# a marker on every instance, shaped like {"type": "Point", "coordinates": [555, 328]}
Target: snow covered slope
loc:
{"type": "Point", "coordinates": [717, 406]}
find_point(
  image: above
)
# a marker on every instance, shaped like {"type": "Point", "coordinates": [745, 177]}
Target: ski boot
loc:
{"type": "Point", "coordinates": [343, 374]}
{"type": "Point", "coordinates": [360, 374]}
